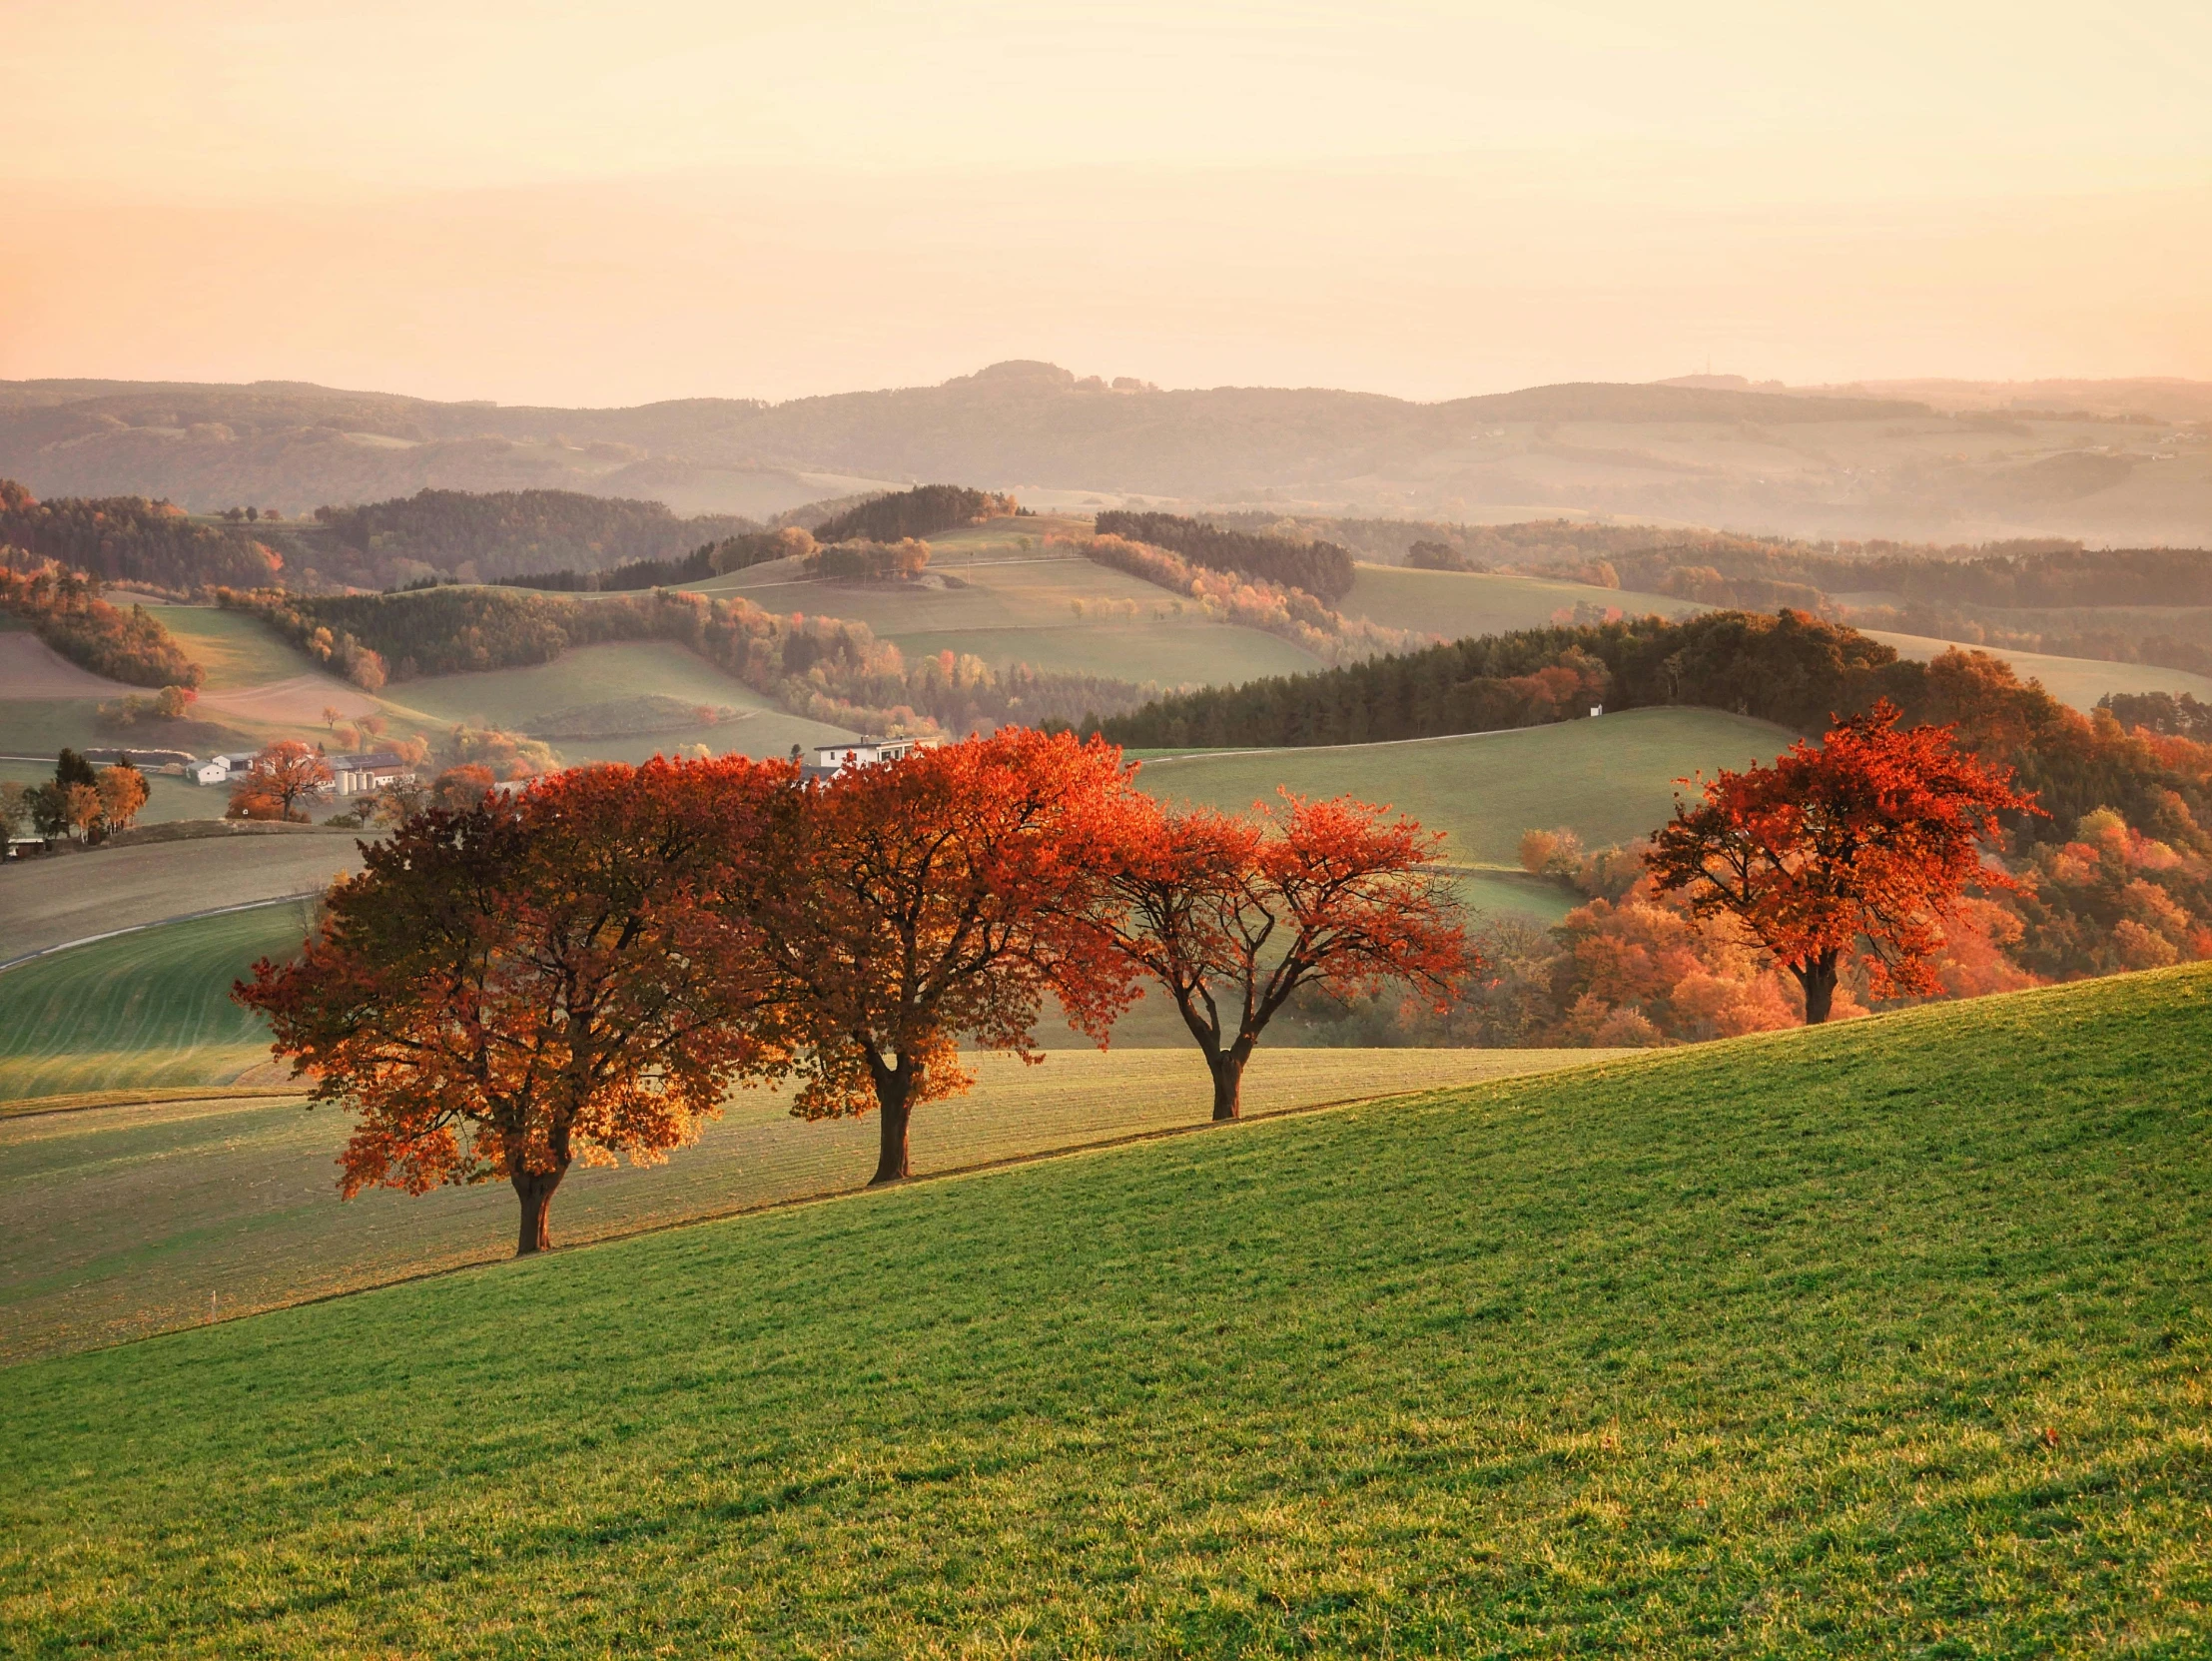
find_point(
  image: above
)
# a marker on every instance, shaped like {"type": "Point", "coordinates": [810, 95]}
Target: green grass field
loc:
{"type": "Point", "coordinates": [2079, 681]}
{"type": "Point", "coordinates": [147, 1008]}
{"type": "Point", "coordinates": [1459, 604]}
{"type": "Point", "coordinates": [119, 1220]}
{"type": "Point", "coordinates": [1610, 779]}
{"type": "Point", "coordinates": [1887, 1339]}
{"type": "Point", "coordinates": [520, 699]}
{"type": "Point", "coordinates": [236, 649]}
{"type": "Point", "coordinates": [1018, 606]}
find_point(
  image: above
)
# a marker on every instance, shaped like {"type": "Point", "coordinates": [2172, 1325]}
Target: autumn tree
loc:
{"type": "Point", "coordinates": [911, 905]}
{"type": "Point", "coordinates": [512, 986]}
{"type": "Point", "coordinates": [123, 792]}
{"type": "Point", "coordinates": [1862, 843]}
{"type": "Point", "coordinates": [1231, 916]}
{"type": "Point", "coordinates": [281, 776]}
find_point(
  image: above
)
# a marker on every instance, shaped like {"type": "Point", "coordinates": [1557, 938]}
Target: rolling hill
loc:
{"type": "Point", "coordinates": [1610, 779]}
{"type": "Point", "coordinates": [2079, 681]}
{"type": "Point", "coordinates": [1882, 1339]}
{"type": "Point", "coordinates": [235, 1191]}
{"type": "Point", "coordinates": [150, 1008]}
{"type": "Point", "coordinates": [1457, 605]}
{"type": "Point", "coordinates": [1834, 465]}
{"type": "Point", "coordinates": [998, 592]}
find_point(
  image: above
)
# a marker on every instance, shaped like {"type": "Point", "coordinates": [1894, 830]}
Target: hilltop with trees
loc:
{"type": "Point", "coordinates": [66, 612]}
{"type": "Point", "coordinates": [131, 539]}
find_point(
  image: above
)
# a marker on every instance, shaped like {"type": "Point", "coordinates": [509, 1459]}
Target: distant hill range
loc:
{"type": "Point", "coordinates": [1946, 461]}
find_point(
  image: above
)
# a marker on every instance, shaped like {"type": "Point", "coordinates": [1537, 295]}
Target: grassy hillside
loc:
{"type": "Point", "coordinates": [1885, 1339]}
{"type": "Point", "coordinates": [117, 1221]}
{"type": "Point", "coordinates": [1457, 605]}
{"type": "Point", "coordinates": [1017, 603]}
{"type": "Point", "coordinates": [1610, 779]}
{"type": "Point", "coordinates": [150, 1008]}
{"type": "Point", "coordinates": [2079, 681]}
{"type": "Point", "coordinates": [525, 700]}
{"type": "Point", "coordinates": [234, 648]}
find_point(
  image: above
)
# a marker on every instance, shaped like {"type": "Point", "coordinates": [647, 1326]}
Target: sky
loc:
{"type": "Point", "coordinates": [595, 204]}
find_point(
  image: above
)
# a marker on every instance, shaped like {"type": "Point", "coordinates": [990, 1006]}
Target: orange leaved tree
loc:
{"type": "Point", "coordinates": [122, 793]}
{"type": "Point", "coordinates": [1231, 916]}
{"type": "Point", "coordinates": [281, 776]}
{"type": "Point", "coordinates": [913, 904]}
{"type": "Point", "coordinates": [1863, 842]}
{"type": "Point", "coordinates": [515, 984]}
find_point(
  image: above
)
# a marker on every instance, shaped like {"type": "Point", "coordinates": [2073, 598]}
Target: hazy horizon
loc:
{"type": "Point", "coordinates": [594, 204]}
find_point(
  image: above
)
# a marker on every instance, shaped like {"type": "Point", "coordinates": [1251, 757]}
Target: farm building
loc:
{"type": "Point", "coordinates": [358, 775]}
{"type": "Point", "coordinates": [832, 759]}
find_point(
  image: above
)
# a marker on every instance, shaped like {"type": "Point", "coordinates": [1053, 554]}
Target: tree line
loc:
{"type": "Point", "coordinates": [708, 560]}
{"type": "Point", "coordinates": [64, 609]}
{"type": "Point", "coordinates": [587, 967]}
{"type": "Point", "coordinates": [497, 533]}
{"type": "Point", "coordinates": [826, 668]}
{"type": "Point", "coordinates": [1793, 669]}
{"type": "Point", "coordinates": [926, 511]}
{"type": "Point", "coordinates": [1237, 597]}
{"type": "Point", "coordinates": [131, 539]}
{"type": "Point", "coordinates": [1320, 568]}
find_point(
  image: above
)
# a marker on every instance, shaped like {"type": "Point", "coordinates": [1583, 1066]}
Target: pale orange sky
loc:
{"type": "Point", "coordinates": [600, 204]}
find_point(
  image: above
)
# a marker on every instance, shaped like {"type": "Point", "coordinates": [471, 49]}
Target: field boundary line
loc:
{"type": "Point", "coordinates": [33, 1107]}
{"type": "Point", "coordinates": [161, 923]}
{"type": "Point", "coordinates": [797, 1202]}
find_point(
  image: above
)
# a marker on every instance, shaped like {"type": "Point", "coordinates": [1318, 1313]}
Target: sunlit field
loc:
{"type": "Point", "coordinates": [1888, 1338]}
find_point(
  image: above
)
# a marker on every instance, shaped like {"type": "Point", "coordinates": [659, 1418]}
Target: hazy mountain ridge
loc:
{"type": "Point", "coordinates": [1806, 462]}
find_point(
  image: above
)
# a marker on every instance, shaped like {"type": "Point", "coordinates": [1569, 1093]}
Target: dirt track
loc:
{"type": "Point", "coordinates": [298, 700]}
{"type": "Point", "coordinates": [30, 669]}
{"type": "Point", "coordinates": [44, 901]}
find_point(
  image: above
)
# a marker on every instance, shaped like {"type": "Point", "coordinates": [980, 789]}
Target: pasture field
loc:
{"type": "Point", "coordinates": [1889, 1337]}
{"type": "Point", "coordinates": [41, 726]}
{"type": "Point", "coordinates": [48, 902]}
{"type": "Point", "coordinates": [521, 700]}
{"type": "Point", "coordinates": [150, 1008]}
{"type": "Point", "coordinates": [236, 649]}
{"type": "Point", "coordinates": [2079, 681]}
{"type": "Point", "coordinates": [1610, 779]}
{"type": "Point", "coordinates": [1014, 605]}
{"type": "Point", "coordinates": [119, 1220]}
{"type": "Point", "coordinates": [1462, 604]}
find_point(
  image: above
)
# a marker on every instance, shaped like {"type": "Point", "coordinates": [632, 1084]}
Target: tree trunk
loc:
{"type": "Point", "coordinates": [536, 1189]}
{"type": "Point", "coordinates": [1228, 1086]}
{"type": "Point", "coordinates": [1818, 978]}
{"type": "Point", "coordinates": [894, 1107]}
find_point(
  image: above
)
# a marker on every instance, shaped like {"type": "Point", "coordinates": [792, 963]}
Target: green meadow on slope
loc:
{"type": "Point", "coordinates": [1610, 779]}
{"type": "Point", "coordinates": [1458, 604]}
{"type": "Point", "coordinates": [1010, 599]}
{"type": "Point", "coordinates": [2079, 681]}
{"type": "Point", "coordinates": [1888, 1338]}
{"type": "Point", "coordinates": [148, 1008]}
{"type": "Point", "coordinates": [117, 1221]}
{"type": "Point", "coordinates": [604, 680]}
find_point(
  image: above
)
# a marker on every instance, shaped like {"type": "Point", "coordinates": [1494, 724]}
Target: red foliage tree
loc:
{"type": "Point", "coordinates": [515, 984]}
{"type": "Point", "coordinates": [1863, 842]}
{"type": "Point", "coordinates": [1231, 916]}
{"type": "Point", "coordinates": [281, 776]}
{"type": "Point", "coordinates": [913, 904]}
